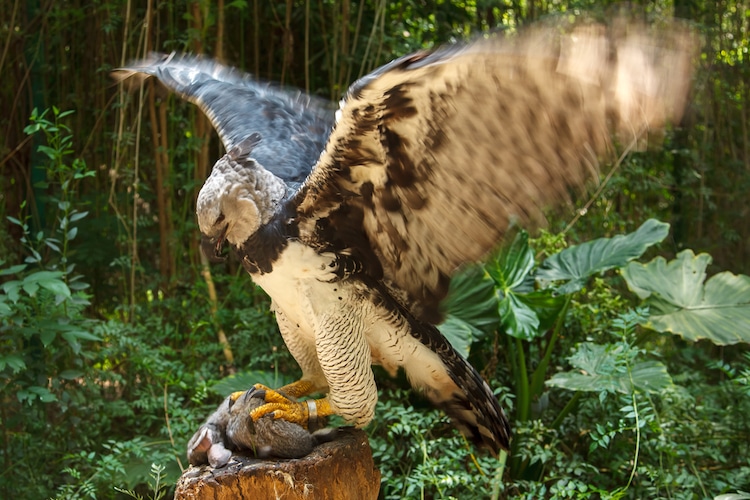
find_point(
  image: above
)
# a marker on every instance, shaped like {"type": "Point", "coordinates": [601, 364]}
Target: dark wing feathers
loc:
{"type": "Point", "coordinates": [434, 155]}
{"type": "Point", "coordinates": [293, 126]}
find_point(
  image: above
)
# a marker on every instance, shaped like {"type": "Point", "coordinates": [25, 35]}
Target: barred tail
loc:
{"type": "Point", "coordinates": [450, 382]}
{"type": "Point", "coordinates": [473, 407]}
{"type": "Point", "coordinates": [456, 387]}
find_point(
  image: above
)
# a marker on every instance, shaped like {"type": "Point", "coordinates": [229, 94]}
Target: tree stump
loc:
{"type": "Point", "coordinates": [340, 469]}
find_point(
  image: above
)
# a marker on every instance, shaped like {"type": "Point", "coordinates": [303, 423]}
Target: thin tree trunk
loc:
{"type": "Point", "coordinates": [203, 131]}
{"type": "Point", "coordinates": [213, 300]}
{"type": "Point", "coordinates": [256, 38]}
{"type": "Point", "coordinates": [166, 190]}
{"type": "Point", "coordinates": [287, 43]}
{"type": "Point", "coordinates": [307, 46]}
{"type": "Point", "coordinates": [345, 59]}
{"type": "Point", "coordinates": [160, 158]}
{"type": "Point", "coordinates": [220, 22]}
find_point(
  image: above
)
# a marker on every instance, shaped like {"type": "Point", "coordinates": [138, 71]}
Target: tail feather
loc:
{"type": "Point", "coordinates": [461, 392]}
{"type": "Point", "coordinates": [473, 408]}
{"type": "Point", "coordinates": [450, 382]}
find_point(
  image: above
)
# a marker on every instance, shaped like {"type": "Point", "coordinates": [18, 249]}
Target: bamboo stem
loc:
{"type": "Point", "coordinates": [202, 131]}
{"type": "Point", "coordinates": [213, 301]}
{"type": "Point", "coordinates": [160, 158]}
{"type": "Point", "coordinates": [307, 46]}
{"type": "Point", "coordinates": [523, 382]}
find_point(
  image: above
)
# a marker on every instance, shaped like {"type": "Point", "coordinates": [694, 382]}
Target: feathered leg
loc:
{"type": "Point", "coordinates": [340, 341]}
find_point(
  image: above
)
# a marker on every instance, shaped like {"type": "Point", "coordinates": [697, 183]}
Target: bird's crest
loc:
{"type": "Point", "coordinates": [244, 148]}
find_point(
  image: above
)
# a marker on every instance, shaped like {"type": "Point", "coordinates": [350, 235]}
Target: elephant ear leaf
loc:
{"type": "Point", "coordinates": [681, 303]}
{"type": "Point", "coordinates": [601, 368]}
{"type": "Point", "coordinates": [470, 308]}
{"type": "Point", "coordinates": [576, 264]}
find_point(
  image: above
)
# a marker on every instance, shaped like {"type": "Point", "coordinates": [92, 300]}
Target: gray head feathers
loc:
{"type": "Point", "coordinates": [239, 196]}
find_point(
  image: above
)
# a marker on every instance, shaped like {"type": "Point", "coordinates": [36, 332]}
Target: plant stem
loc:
{"type": "Point", "coordinates": [499, 473]}
{"type": "Point", "coordinates": [637, 439]}
{"type": "Point", "coordinates": [523, 383]}
{"type": "Point", "coordinates": [537, 379]}
{"type": "Point", "coordinates": [214, 307]}
{"type": "Point", "coordinates": [566, 410]}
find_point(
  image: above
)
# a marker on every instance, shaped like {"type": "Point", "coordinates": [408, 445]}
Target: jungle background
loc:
{"type": "Point", "coordinates": [117, 339]}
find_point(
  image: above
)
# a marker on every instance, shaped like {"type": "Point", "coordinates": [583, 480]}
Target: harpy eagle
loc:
{"type": "Point", "coordinates": [354, 222]}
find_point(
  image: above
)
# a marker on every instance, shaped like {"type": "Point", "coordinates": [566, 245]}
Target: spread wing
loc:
{"type": "Point", "coordinates": [434, 155]}
{"type": "Point", "coordinates": [293, 126]}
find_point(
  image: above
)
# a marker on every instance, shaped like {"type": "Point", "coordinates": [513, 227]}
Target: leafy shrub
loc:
{"type": "Point", "coordinates": [604, 405]}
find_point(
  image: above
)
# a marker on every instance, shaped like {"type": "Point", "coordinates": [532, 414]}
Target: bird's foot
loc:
{"type": "Point", "coordinates": [280, 405]}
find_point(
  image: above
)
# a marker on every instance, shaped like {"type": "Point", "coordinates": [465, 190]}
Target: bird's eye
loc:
{"type": "Point", "coordinates": [219, 219]}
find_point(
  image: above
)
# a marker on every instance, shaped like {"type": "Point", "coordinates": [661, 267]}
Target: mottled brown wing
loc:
{"type": "Point", "coordinates": [434, 155]}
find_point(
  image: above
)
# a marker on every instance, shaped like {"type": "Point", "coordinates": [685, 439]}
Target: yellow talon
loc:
{"type": "Point", "coordinates": [282, 403]}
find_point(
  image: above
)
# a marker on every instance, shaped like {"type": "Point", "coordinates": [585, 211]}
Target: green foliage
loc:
{"type": "Point", "coordinates": [577, 264]}
{"type": "Point", "coordinates": [158, 489]}
{"type": "Point", "coordinates": [45, 335]}
{"type": "Point", "coordinates": [606, 368]}
{"type": "Point", "coordinates": [42, 300]}
{"type": "Point", "coordinates": [612, 363]}
{"type": "Point", "coordinates": [523, 311]}
{"type": "Point", "coordinates": [682, 304]}
{"type": "Point", "coordinates": [108, 356]}
{"type": "Point", "coordinates": [469, 309]}
{"type": "Point", "coordinates": [421, 456]}
{"type": "Point", "coordinates": [243, 380]}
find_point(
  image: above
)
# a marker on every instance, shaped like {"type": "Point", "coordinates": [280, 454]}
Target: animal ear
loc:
{"type": "Point", "coordinates": [201, 442]}
{"type": "Point", "coordinates": [242, 150]}
{"type": "Point", "coordinates": [199, 446]}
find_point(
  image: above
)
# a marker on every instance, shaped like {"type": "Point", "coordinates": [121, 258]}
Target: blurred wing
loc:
{"type": "Point", "coordinates": [293, 126]}
{"type": "Point", "coordinates": [434, 155]}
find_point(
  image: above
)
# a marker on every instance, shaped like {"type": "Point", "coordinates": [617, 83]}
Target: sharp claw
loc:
{"type": "Point", "coordinates": [258, 393]}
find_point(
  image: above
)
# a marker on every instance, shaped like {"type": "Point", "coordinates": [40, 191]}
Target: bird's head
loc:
{"type": "Point", "coordinates": [237, 198]}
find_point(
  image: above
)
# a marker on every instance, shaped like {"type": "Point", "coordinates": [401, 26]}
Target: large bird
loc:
{"type": "Point", "coordinates": [354, 222]}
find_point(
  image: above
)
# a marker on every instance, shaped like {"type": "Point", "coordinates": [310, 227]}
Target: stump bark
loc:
{"type": "Point", "coordinates": [341, 469]}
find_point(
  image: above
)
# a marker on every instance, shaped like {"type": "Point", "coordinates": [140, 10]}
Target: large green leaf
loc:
{"type": "Point", "coordinates": [460, 333]}
{"type": "Point", "coordinates": [516, 299]}
{"type": "Point", "coordinates": [577, 263]}
{"type": "Point", "coordinates": [511, 267]}
{"type": "Point", "coordinates": [602, 368]}
{"type": "Point", "coordinates": [680, 303]}
{"type": "Point", "coordinates": [51, 280]}
{"type": "Point", "coordinates": [5, 309]}
{"type": "Point", "coordinates": [470, 309]}
{"type": "Point", "coordinates": [518, 318]}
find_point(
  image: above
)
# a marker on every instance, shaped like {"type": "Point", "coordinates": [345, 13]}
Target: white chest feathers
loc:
{"type": "Point", "coordinates": [314, 305]}
{"type": "Point", "coordinates": [301, 284]}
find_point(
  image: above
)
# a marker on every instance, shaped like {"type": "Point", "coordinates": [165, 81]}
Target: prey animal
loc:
{"type": "Point", "coordinates": [353, 222]}
{"type": "Point", "coordinates": [231, 428]}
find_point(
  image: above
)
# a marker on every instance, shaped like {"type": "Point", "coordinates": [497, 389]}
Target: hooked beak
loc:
{"type": "Point", "coordinates": [212, 247]}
